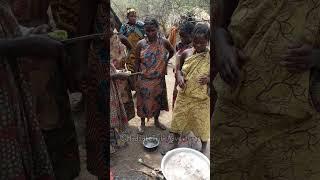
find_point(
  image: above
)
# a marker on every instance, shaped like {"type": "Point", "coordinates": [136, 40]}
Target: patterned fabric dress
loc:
{"type": "Point", "coordinates": [192, 109]}
{"type": "Point", "coordinates": [268, 128]}
{"type": "Point", "coordinates": [151, 84]}
{"type": "Point", "coordinates": [118, 116]}
{"type": "Point", "coordinates": [97, 99]}
{"type": "Point", "coordinates": [134, 33]}
{"type": "Point", "coordinates": [23, 153]}
{"type": "Point", "coordinates": [118, 57]}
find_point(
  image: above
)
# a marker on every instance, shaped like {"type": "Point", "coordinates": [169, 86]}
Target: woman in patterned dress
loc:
{"type": "Point", "coordinates": [121, 102]}
{"type": "Point", "coordinates": [152, 58]}
{"type": "Point", "coordinates": [134, 31]}
{"type": "Point", "coordinates": [23, 150]}
{"type": "Point", "coordinates": [118, 45]}
{"type": "Point", "coordinates": [266, 125]}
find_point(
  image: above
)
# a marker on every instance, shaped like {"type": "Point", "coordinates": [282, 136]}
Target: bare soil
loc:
{"type": "Point", "coordinates": [124, 163]}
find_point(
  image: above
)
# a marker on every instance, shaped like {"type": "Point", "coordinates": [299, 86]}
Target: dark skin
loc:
{"type": "Point", "coordinates": [185, 37]}
{"type": "Point", "coordinates": [151, 32]}
{"type": "Point", "coordinates": [180, 62]}
{"type": "Point", "coordinates": [124, 40]}
{"type": "Point", "coordinates": [300, 58]}
{"type": "Point", "coordinates": [200, 45]}
{"type": "Point", "coordinates": [132, 18]}
{"type": "Point", "coordinates": [297, 58]}
{"type": "Point", "coordinates": [227, 56]}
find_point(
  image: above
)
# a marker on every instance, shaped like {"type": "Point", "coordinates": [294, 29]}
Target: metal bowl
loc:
{"type": "Point", "coordinates": [151, 144]}
{"type": "Point", "coordinates": [170, 154]}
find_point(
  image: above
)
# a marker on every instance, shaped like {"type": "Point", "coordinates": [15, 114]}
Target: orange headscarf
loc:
{"type": "Point", "coordinates": [173, 36]}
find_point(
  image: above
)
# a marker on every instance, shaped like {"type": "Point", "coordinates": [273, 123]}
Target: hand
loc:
{"type": "Point", "coordinates": [299, 58]}
{"type": "Point", "coordinates": [229, 60]}
{"type": "Point", "coordinates": [121, 75]}
{"type": "Point", "coordinates": [181, 81]}
{"type": "Point", "coordinates": [203, 80]}
{"type": "Point", "coordinates": [42, 29]}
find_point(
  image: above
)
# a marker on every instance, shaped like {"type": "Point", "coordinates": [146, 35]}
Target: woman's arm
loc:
{"type": "Point", "coordinates": [227, 58]}
{"type": "Point", "coordinates": [169, 47]}
{"type": "Point", "coordinates": [179, 74]}
{"type": "Point", "coordinates": [124, 40]}
{"type": "Point", "coordinates": [180, 61]}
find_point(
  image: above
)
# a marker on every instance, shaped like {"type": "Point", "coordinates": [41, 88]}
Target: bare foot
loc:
{"type": "Point", "coordinates": [171, 147]}
{"type": "Point", "coordinates": [204, 149]}
{"type": "Point", "coordinates": [141, 130]}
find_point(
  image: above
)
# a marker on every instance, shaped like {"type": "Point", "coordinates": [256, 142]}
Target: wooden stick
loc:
{"type": "Point", "coordinates": [137, 73]}
{"type": "Point", "coordinates": [86, 37]}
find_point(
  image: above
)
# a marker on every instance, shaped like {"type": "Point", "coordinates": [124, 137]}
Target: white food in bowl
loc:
{"type": "Point", "coordinates": [186, 165]}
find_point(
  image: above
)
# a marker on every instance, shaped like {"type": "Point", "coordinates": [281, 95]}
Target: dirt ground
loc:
{"type": "Point", "coordinates": [124, 163]}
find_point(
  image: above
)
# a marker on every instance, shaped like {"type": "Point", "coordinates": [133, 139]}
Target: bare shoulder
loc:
{"type": "Point", "coordinates": [188, 52]}
{"type": "Point", "coordinates": [165, 41]}
{"type": "Point", "coordinates": [141, 43]}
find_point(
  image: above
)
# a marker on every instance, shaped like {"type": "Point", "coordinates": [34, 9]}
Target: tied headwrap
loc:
{"type": "Point", "coordinates": [131, 10]}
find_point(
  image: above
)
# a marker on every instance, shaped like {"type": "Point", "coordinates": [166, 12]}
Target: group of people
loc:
{"type": "Point", "coordinates": [37, 133]}
{"type": "Point", "coordinates": [265, 123]}
{"type": "Point", "coordinates": [149, 55]}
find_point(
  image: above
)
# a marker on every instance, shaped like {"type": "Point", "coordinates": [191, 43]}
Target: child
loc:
{"type": "Point", "coordinates": [185, 33]}
{"type": "Point", "coordinates": [191, 111]}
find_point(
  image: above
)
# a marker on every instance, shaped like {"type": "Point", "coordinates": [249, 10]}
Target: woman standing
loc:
{"type": "Point", "coordinates": [121, 102]}
{"type": "Point", "coordinates": [152, 58]}
{"type": "Point", "coordinates": [134, 31]}
{"type": "Point", "coordinates": [118, 45]}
